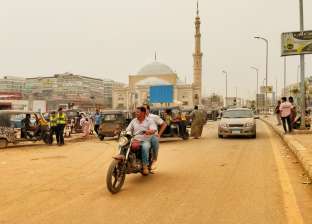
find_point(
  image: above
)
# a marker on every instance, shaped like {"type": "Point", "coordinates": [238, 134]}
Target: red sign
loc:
{"type": "Point", "coordinates": [10, 96]}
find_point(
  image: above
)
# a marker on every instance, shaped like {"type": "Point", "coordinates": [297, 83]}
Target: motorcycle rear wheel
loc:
{"type": "Point", "coordinates": [115, 177]}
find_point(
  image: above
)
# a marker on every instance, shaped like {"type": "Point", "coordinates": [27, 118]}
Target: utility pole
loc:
{"type": "Point", "coordinates": [236, 92]}
{"type": "Point", "coordinates": [266, 72]}
{"type": "Point", "coordinates": [257, 92]}
{"type": "Point", "coordinates": [302, 84]}
{"type": "Point", "coordinates": [285, 71]}
{"type": "Point", "coordinates": [226, 86]}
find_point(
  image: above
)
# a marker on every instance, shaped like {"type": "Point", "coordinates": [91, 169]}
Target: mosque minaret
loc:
{"type": "Point", "coordinates": [197, 56]}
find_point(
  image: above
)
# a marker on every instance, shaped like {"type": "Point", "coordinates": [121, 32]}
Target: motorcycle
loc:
{"type": "Point", "coordinates": [43, 134]}
{"type": "Point", "coordinates": [129, 160]}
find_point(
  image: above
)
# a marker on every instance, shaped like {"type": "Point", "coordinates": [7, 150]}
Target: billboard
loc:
{"type": "Point", "coordinates": [296, 43]}
{"type": "Point", "coordinates": [161, 94]}
{"type": "Point", "coordinates": [269, 89]}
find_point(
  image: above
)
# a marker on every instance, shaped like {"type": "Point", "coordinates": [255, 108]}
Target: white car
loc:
{"type": "Point", "coordinates": [237, 122]}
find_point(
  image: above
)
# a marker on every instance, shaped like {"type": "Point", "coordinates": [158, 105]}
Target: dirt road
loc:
{"type": "Point", "coordinates": [209, 180]}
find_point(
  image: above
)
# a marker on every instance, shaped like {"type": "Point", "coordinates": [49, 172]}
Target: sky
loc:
{"type": "Point", "coordinates": [112, 39]}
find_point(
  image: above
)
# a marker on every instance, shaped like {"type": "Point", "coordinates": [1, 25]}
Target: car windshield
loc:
{"type": "Point", "coordinates": [237, 114]}
{"type": "Point", "coordinates": [72, 113]}
{"type": "Point", "coordinates": [110, 117]}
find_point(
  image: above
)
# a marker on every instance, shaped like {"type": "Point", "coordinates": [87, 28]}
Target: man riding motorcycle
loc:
{"type": "Point", "coordinates": [143, 129]}
{"type": "Point", "coordinates": [155, 138]}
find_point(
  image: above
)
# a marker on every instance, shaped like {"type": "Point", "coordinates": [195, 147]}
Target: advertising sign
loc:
{"type": "Point", "coordinates": [269, 89]}
{"type": "Point", "coordinates": [296, 43]}
{"type": "Point", "coordinates": [161, 94]}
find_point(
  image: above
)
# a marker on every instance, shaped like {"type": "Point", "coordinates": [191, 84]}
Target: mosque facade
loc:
{"type": "Point", "coordinates": [137, 92]}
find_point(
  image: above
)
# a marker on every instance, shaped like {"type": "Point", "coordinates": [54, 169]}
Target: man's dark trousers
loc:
{"type": "Point", "coordinates": [60, 134]}
{"type": "Point", "coordinates": [53, 131]}
{"type": "Point", "coordinates": [288, 120]}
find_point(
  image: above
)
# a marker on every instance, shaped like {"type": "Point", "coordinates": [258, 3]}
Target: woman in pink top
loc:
{"type": "Point", "coordinates": [85, 123]}
{"type": "Point", "coordinates": [285, 109]}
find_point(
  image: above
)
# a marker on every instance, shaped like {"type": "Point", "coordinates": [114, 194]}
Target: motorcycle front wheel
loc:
{"type": "Point", "coordinates": [115, 177]}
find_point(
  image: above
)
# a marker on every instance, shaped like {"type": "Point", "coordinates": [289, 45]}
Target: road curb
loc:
{"type": "Point", "coordinates": [301, 152]}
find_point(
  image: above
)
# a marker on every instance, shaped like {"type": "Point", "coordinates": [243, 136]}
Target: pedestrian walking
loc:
{"type": "Point", "coordinates": [97, 121]}
{"type": "Point", "coordinates": [198, 121]}
{"type": "Point", "coordinates": [278, 112]}
{"type": "Point", "coordinates": [61, 122]}
{"type": "Point", "coordinates": [285, 110]}
{"type": "Point", "coordinates": [53, 126]}
{"type": "Point", "coordinates": [85, 124]}
{"type": "Point", "coordinates": [293, 114]}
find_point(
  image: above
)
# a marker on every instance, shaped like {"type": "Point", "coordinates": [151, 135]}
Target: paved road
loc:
{"type": "Point", "coordinates": [209, 180]}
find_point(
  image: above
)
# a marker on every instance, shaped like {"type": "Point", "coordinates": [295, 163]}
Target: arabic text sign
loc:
{"type": "Point", "coordinates": [269, 89]}
{"type": "Point", "coordinates": [296, 43]}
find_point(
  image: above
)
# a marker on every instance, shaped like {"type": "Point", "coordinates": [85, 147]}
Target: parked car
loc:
{"type": "Point", "coordinates": [237, 122]}
{"type": "Point", "coordinates": [12, 129]}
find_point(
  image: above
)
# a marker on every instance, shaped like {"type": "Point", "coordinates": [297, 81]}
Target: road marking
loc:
{"type": "Point", "coordinates": [290, 203]}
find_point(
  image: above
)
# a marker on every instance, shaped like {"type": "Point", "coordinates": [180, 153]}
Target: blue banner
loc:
{"type": "Point", "coordinates": [161, 94]}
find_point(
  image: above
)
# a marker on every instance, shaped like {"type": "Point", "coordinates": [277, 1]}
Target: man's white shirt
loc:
{"type": "Point", "coordinates": [155, 118]}
{"type": "Point", "coordinates": [138, 128]}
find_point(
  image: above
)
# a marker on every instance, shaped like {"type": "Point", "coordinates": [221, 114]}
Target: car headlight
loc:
{"type": "Point", "coordinates": [123, 141]}
{"type": "Point", "coordinates": [223, 125]}
{"type": "Point", "coordinates": [249, 124]}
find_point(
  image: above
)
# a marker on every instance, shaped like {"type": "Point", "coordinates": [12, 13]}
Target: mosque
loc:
{"type": "Point", "coordinates": [137, 92]}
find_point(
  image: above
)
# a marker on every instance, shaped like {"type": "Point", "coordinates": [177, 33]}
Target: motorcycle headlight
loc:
{"type": "Point", "coordinates": [123, 141]}
{"type": "Point", "coordinates": [249, 124]}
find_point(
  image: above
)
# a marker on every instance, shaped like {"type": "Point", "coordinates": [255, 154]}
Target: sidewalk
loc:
{"type": "Point", "coordinates": [73, 138]}
{"type": "Point", "coordinates": [300, 142]}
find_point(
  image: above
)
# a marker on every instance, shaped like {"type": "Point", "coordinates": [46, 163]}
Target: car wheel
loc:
{"type": "Point", "coordinates": [220, 136]}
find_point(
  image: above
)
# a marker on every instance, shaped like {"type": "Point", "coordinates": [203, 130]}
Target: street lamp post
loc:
{"type": "Point", "coordinates": [257, 92]}
{"type": "Point", "coordinates": [266, 71]}
{"type": "Point", "coordinates": [236, 92]}
{"type": "Point", "coordinates": [298, 74]}
{"type": "Point", "coordinates": [284, 92]}
{"type": "Point", "coordinates": [302, 86]}
{"type": "Point", "coordinates": [226, 86]}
